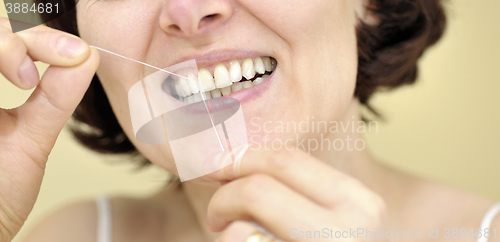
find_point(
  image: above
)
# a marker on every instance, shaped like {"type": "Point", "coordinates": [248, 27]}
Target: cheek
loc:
{"type": "Point", "coordinates": [98, 25]}
{"type": "Point", "coordinates": [123, 28]}
{"type": "Point", "coordinates": [117, 92]}
{"type": "Point", "coordinates": [322, 64]}
{"type": "Point", "coordinates": [322, 44]}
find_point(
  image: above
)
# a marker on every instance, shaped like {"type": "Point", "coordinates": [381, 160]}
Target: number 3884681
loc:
{"type": "Point", "coordinates": [34, 8]}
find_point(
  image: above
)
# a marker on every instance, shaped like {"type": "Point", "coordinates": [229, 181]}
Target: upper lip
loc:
{"type": "Point", "coordinates": [212, 57]}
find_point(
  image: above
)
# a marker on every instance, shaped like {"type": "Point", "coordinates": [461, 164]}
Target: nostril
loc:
{"type": "Point", "coordinates": [175, 27]}
{"type": "Point", "coordinates": [211, 16]}
{"type": "Point", "coordinates": [187, 26]}
{"type": "Point", "coordinates": [208, 19]}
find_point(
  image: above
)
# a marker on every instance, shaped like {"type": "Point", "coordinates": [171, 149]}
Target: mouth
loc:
{"type": "Point", "coordinates": [222, 79]}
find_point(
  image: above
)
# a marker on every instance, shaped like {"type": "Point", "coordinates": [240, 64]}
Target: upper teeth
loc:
{"type": "Point", "coordinates": [259, 66]}
{"type": "Point", "coordinates": [235, 71]}
{"type": "Point", "coordinates": [205, 80]}
{"type": "Point", "coordinates": [221, 75]}
{"type": "Point", "coordinates": [248, 69]}
{"type": "Point", "coordinates": [224, 81]}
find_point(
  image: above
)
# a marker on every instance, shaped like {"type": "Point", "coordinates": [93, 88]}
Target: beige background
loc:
{"type": "Point", "coordinates": [444, 128]}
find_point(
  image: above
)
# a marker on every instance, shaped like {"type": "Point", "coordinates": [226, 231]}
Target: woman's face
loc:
{"type": "Point", "coordinates": [313, 42]}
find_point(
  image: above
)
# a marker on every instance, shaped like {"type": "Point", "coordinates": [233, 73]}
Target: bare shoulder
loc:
{"type": "Point", "coordinates": [133, 219]}
{"type": "Point", "coordinates": [75, 222]}
{"type": "Point", "coordinates": [446, 208]}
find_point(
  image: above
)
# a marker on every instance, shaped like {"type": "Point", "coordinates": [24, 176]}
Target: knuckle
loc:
{"type": "Point", "coordinates": [363, 202]}
{"type": "Point", "coordinates": [276, 162]}
{"type": "Point", "coordinates": [357, 186]}
{"type": "Point", "coordinates": [10, 42]}
{"type": "Point", "coordinates": [349, 190]}
{"type": "Point", "coordinates": [380, 208]}
{"type": "Point", "coordinates": [279, 160]}
{"type": "Point", "coordinates": [36, 39]}
{"type": "Point", "coordinates": [376, 209]}
{"type": "Point", "coordinates": [46, 37]}
{"type": "Point", "coordinates": [254, 188]}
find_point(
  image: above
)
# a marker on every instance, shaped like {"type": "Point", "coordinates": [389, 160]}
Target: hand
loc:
{"type": "Point", "coordinates": [289, 191]}
{"type": "Point", "coordinates": [28, 133]}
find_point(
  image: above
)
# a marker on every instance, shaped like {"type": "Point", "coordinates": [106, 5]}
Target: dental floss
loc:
{"type": "Point", "coordinates": [171, 73]}
{"type": "Point", "coordinates": [213, 125]}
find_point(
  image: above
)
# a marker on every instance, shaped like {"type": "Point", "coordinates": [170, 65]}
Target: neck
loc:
{"type": "Point", "coordinates": [351, 160]}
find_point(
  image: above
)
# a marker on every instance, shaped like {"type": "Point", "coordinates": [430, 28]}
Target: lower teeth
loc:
{"type": "Point", "coordinates": [237, 86]}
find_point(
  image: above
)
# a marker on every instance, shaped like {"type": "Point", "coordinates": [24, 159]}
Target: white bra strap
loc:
{"type": "Point", "coordinates": [104, 229]}
{"type": "Point", "coordinates": [488, 217]}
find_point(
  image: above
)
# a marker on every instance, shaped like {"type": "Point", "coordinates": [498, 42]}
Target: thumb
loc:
{"type": "Point", "coordinates": [54, 100]}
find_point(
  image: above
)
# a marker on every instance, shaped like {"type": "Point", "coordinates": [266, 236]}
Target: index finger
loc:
{"type": "Point", "coordinates": [52, 46]}
{"type": "Point", "coordinates": [307, 175]}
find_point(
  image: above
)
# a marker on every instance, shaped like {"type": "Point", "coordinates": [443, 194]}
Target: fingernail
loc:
{"type": "Point", "coordinates": [239, 151]}
{"type": "Point", "coordinates": [28, 72]}
{"type": "Point", "coordinates": [70, 47]}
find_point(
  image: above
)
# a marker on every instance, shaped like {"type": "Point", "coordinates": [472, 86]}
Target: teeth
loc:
{"type": "Point", "coordinates": [236, 86]}
{"type": "Point", "coordinates": [224, 80]}
{"type": "Point", "coordinates": [259, 66]}
{"type": "Point", "coordinates": [247, 84]}
{"type": "Point", "coordinates": [178, 90]}
{"type": "Point", "coordinates": [235, 71]}
{"type": "Point", "coordinates": [248, 69]}
{"type": "Point", "coordinates": [208, 96]}
{"type": "Point", "coordinates": [216, 93]}
{"type": "Point", "coordinates": [226, 90]}
{"type": "Point", "coordinates": [197, 98]}
{"type": "Point", "coordinates": [221, 76]}
{"type": "Point", "coordinates": [205, 80]}
{"type": "Point", "coordinates": [267, 63]}
{"type": "Point", "coordinates": [193, 83]}
{"type": "Point", "coordinates": [185, 86]}
{"type": "Point", "coordinates": [258, 81]}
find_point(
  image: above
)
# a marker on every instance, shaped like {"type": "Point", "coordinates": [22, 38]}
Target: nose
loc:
{"type": "Point", "coordinates": [187, 18]}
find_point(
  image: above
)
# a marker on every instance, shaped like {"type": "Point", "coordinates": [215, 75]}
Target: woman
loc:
{"type": "Point", "coordinates": [331, 56]}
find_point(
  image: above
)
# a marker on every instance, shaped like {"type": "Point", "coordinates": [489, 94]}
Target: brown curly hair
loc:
{"type": "Point", "coordinates": [388, 53]}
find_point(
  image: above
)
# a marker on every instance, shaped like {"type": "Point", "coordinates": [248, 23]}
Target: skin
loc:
{"type": "Point", "coordinates": [337, 189]}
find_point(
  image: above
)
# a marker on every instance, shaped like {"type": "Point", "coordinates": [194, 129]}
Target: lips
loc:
{"type": "Point", "coordinates": [225, 79]}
